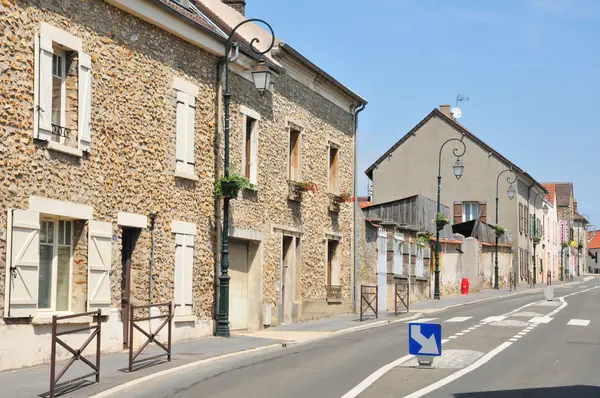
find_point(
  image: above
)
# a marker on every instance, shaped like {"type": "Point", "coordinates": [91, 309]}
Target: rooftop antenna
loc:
{"type": "Point", "coordinates": [456, 112]}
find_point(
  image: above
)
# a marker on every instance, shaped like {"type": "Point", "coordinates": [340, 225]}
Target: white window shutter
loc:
{"type": "Point", "coordinates": [188, 277]}
{"type": "Point", "coordinates": [254, 153]}
{"type": "Point", "coordinates": [181, 153]}
{"type": "Point", "coordinates": [190, 129]}
{"type": "Point", "coordinates": [99, 263]}
{"type": "Point", "coordinates": [43, 88]}
{"type": "Point", "coordinates": [85, 101]}
{"type": "Point", "coordinates": [22, 272]}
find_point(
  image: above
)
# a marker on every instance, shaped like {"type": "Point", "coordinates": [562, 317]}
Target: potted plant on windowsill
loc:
{"type": "Point", "coordinates": [229, 187]}
{"type": "Point", "coordinates": [306, 186]}
{"type": "Point", "coordinates": [440, 221]}
{"type": "Point", "coordinates": [347, 195]}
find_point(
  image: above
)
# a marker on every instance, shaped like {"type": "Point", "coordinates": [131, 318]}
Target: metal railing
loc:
{"type": "Point", "coordinates": [368, 296]}
{"type": "Point", "coordinates": [401, 298]}
{"type": "Point", "coordinates": [76, 353]}
{"type": "Point", "coordinates": [150, 337]}
{"type": "Point", "coordinates": [334, 292]}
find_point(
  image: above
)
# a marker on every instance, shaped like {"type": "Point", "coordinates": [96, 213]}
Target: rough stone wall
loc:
{"type": "Point", "coordinates": [132, 160]}
{"type": "Point", "coordinates": [321, 120]}
{"type": "Point", "coordinates": [367, 250]}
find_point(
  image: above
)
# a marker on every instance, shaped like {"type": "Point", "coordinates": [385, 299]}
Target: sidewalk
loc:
{"type": "Point", "coordinates": [34, 381]}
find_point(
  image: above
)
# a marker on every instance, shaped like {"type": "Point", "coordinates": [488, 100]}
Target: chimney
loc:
{"type": "Point", "coordinates": [445, 109]}
{"type": "Point", "coordinates": [238, 5]}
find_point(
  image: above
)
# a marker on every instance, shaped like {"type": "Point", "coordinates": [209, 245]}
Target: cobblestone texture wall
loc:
{"type": "Point", "coordinates": [321, 120]}
{"type": "Point", "coordinates": [132, 160]}
{"type": "Point", "coordinates": [367, 250]}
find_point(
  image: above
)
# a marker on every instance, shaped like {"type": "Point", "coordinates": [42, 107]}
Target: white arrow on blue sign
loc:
{"type": "Point", "coordinates": [425, 339]}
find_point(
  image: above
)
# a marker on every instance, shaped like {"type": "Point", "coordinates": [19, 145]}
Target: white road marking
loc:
{"type": "Point", "coordinates": [512, 339]}
{"type": "Point", "coordinates": [523, 333]}
{"type": "Point", "coordinates": [422, 320]}
{"type": "Point", "coordinates": [496, 318]}
{"type": "Point", "coordinates": [517, 337]}
{"type": "Point", "coordinates": [459, 319]}
{"type": "Point", "coordinates": [452, 337]}
{"type": "Point", "coordinates": [459, 333]}
{"type": "Point", "coordinates": [578, 322]}
{"type": "Point", "coordinates": [445, 341]}
{"type": "Point", "coordinates": [540, 319]}
{"type": "Point", "coordinates": [472, 328]}
{"type": "Point", "coordinates": [449, 379]}
{"type": "Point", "coordinates": [375, 376]}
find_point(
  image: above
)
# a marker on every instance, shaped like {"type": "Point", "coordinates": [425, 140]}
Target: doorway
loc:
{"type": "Point", "coordinates": [129, 238]}
{"type": "Point", "coordinates": [288, 278]}
{"type": "Point", "coordinates": [239, 267]}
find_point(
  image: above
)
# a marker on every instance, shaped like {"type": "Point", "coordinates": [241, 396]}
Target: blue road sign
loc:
{"type": "Point", "coordinates": [425, 339]}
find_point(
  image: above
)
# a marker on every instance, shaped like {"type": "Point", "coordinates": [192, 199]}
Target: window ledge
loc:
{"type": "Point", "coordinates": [47, 320]}
{"type": "Point", "coordinates": [184, 318]}
{"type": "Point", "coordinates": [55, 146]}
{"type": "Point", "coordinates": [181, 174]}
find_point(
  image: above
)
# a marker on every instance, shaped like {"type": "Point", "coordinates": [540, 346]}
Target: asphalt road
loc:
{"type": "Point", "coordinates": [545, 354]}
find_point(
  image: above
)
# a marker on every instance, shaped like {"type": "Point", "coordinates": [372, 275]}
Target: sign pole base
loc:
{"type": "Point", "coordinates": [425, 361]}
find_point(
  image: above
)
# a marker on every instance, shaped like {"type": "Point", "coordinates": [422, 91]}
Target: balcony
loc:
{"type": "Point", "coordinates": [334, 202]}
{"type": "Point", "coordinates": [334, 294]}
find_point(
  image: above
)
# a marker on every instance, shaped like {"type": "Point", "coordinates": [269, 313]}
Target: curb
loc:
{"type": "Point", "coordinates": [277, 346]}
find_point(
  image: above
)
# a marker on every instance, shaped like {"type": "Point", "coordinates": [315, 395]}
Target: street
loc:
{"type": "Point", "coordinates": [519, 346]}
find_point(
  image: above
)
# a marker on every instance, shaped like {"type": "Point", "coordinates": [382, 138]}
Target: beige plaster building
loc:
{"type": "Point", "coordinates": [415, 155]}
{"type": "Point", "coordinates": [110, 150]}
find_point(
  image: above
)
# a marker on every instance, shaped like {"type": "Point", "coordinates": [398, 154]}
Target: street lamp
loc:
{"type": "Point", "coordinates": [535, 237]}
{"type": "Point", "coordinates": [262, 79]}
{"type": "Point", "coordinates": [458, 169]}
{"type": "Point", "coordinates": [511, 194]}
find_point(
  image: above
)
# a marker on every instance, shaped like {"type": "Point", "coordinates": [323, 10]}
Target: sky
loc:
{"type": "Point", "coordinates": [530, 69]}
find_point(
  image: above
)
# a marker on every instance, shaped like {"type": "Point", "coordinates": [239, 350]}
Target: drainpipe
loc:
{"type": "Point", "coordinates": [153, 215]}
{"type": "Point", "coordinates": [218, 172]}
{"type": "Point", "coordinates": [357, 110]}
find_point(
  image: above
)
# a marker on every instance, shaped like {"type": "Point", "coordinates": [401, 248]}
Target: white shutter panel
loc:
{"type": "Point", "coordinates": [190, 129]}
{"type": "Point", "coordinates": [179, 272]}
{"type": "Point", "coordinates": [22, 272]}
{"type": "Point", "coordinates": [188, 276]}
{"type": "Point", "coordinates": [43, 88]}
{"type": "Point", "coordinates": [254, 153]}
{"type": "Point", "coordinates": [99, 262]}
{"type": "Point", "coordinates": [85, 101]}
{"type": "Point", "coordinates": [181, 132]}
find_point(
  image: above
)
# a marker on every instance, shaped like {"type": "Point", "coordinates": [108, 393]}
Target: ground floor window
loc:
{"type": "Point", "coordinates": [56, 251]}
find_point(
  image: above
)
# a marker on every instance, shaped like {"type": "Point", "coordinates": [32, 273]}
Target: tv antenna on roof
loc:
{"type": "Point", "coordinates": [456, 112]}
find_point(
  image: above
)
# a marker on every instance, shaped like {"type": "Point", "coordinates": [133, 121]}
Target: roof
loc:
{"type": "Point", "coordinates": [594, 243]}
{"type": "Point", "coordinates": [365, 204]}
{"type": "Point", "coordinates": [564, 191]}
{"type": "Point", "coordinates": [227, 18]}
{"type": "Point", "coordinates": [551, 188]}
{"type": "Point", "coordinates": [437, 113]}
{"type": "Point", "coordinates": [194, 15]}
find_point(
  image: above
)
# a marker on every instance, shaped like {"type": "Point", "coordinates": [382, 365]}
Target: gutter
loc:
{"type": "Point", "coordinates": [357, 110]}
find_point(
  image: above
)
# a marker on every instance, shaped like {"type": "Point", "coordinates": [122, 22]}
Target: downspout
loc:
{"type": "Point", "coordinates": [357, 110]}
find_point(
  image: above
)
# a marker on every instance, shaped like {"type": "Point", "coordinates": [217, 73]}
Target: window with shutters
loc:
{"type": "Point", "coordinates": [520, 218]}
{"type": "Point", "coordinates": [185, 129]}
{"type": "Point", "coordinates": [470, 211]}
{"type": "Point", "coordinates": [55, 269]}
{"type": "Point", "coordinates": [294, 156]}
{"type": "Point", "coordinates": [62, 91]}
{"type": "Point", "coordinates": [184, 265]}
{"type": "Point", "coordinates": [250, 127]}
{"type": "Point", "coordinates": [526, 219]}
{"type": "Point", "coordinates": [333, 168]}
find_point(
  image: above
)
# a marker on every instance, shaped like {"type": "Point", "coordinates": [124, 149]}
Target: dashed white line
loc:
{"type": "Point", "coordinates": [423, 320]}
{"type": "Point", "coordinates": [458, 319]}
{"type": "Point", "coordinates": [459, 333]}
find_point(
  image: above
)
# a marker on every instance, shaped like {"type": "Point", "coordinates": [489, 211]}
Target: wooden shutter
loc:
{"type": "Point", "coordinates": [22, 271]}
{"type": "Point", "coordinates": [458, 210]}
{"type": "Point", "coordinates": [184, 265]}
{"type": "Point", "coordinates": [43, 88]}
{"type": "Point", "coordinates": [99, 263]}
{"type": "Point", "coordinates": [254, 153]}
{"type": "Point", "coordinates": [526, 220]}
{"type": "Point", "coordinates": [186, 116]}
{"type": "Point", "coordinates": [85, 101]}
{"type": "Point", "coordinates": [520, 218]}
{"type": "Point", "coordinates": [483, 211]}
{"type": "Point", "coordinates": [190, 129]}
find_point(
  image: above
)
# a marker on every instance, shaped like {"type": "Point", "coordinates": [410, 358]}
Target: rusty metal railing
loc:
{"type": "Point", "coordinates": [401, 298]}
{"type": "Point", "coordinates": [76, 353]}
{"type": "Point", "coordinates": [150, 337]}
{"type": "Point", "coordinates": [368, 296]}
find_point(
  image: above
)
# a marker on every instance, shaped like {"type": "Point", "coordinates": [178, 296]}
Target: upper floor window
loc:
{"type": "Point", "coordinates": [54, 289]}
{"type": "Point", "coordinates": [294, 156]}
{"type": "Point", "coordinates": [185, 128]}
{"type": "Point", "coordinates": [250, 125]}
{"type": "Point", "coordinates": [62, 91]}
{"type": "Point", "coordinates": [470, 211]}
{"type": "Point", "coordinates": [333, 168]}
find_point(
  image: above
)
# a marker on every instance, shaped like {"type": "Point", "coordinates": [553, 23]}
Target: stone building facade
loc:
{"type": "Point", "coordinates": [108, 158]}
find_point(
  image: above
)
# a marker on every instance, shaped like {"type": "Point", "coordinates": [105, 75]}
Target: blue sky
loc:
{"type": "Point", "coordinates": [530, 68]}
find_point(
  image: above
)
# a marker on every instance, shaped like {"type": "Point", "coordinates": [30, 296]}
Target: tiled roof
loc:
{"type": "Point", "coordinates": [364, 204]}
{"type": "Point", "coordinates": [551, 188]}
{"type": "Point", "coordinates": [595, 242]}
{"type": "Point", "coordinates": [564, 190]}
{"type": "Point", "coordinates": [193, 15]}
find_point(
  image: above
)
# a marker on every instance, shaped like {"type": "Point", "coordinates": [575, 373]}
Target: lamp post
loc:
{"type": "Point", "coordinates": [457, 168]}
{"type": "Point", "coordinates": [569, 250]}
{"type": "Point", "coordinates": [511, 194]}
{"type": "Point", "coordinates": [535, 237]}
{"type": "Point", "coordinates": [561, 262]}
{"type": "Point", "coordinates": [262, 80]}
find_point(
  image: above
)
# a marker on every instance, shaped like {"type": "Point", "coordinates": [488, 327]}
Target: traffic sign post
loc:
{"type": "Point", "coordinates": [425, 341]}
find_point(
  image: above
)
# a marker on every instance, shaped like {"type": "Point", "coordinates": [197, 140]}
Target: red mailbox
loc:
{"type": "Point", "coordinates": [464, 286]}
